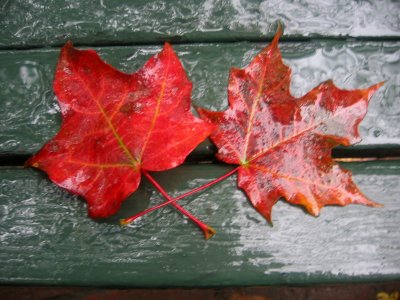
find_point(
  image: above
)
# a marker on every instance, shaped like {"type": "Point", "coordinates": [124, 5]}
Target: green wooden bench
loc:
{"type": "Point", "coordinates": [46, 237]}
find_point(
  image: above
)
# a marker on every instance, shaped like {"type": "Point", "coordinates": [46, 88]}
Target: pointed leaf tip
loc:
{"type": "Point", "coordinates": [378, 85]}
{"type": "Point", "coordinates": [269, 219]}
{"type": "Point", "coordinates": [68, 46]}
{"type": "Point", "coordinates": [278, 34]}
{"type": "Point", "coordinates": [29, 164]}
{"type": "Point", "coordinates": [372, 89]}
{"type": "Point", "coordinates": [167, 44]}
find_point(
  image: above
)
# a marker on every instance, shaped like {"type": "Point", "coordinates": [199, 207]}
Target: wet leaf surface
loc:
{"type": "Point", "coordinates": [283, 144]}
{"type": "Point", "coordinates": [115, 124]}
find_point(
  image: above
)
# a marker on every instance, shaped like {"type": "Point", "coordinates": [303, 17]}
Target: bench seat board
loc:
{"type": "Point", "coordinates": [47, 239]}
{"type": "Point", "coordinates": [27, 24]}
{"type": "Point", "coordinates": [30, 116]}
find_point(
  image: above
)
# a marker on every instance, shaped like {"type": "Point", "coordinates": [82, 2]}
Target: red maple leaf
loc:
{"type": "Point", "coordinates": [283, 144]}
{"type": "Point", "coordinates": [115, 124]}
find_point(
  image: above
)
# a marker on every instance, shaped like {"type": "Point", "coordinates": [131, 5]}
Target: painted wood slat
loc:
{"type": "Point", "coordinates": [47, 239]}
{"type": "Point", "coordinates": [27, 23]}
{"type": "Point", "coordinates": [29, 114]}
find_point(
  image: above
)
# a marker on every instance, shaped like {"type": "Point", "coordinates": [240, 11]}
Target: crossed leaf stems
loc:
{"type": "Point", "coordinates": [208, 231]}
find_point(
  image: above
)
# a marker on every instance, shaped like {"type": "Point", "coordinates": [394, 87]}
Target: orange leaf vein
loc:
{"type": "Point", "coordinates": [253, 112]}
{"type": "Point", "coordinates": [264, 151]}
{"type": "Point", "coordinates": [156, 112]}
{"type": "Point", "coordinates": [134, 162]}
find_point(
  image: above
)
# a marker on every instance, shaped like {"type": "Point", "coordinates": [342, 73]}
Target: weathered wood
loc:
{"type": "Point", "coordinates": [29, 114]}
{"type": "Point", "coordinates": [46, 237]}
{"type": "Point", "coordinates": [26, 23]}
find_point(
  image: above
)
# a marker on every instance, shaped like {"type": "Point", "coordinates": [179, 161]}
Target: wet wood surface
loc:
{"type": "Point", "coordinates": [46, 237]}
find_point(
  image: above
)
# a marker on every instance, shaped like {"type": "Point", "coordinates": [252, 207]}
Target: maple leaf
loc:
{"type": "Point", "coordinates": [283, 144]}
{"type": "Point", "coordinates": [114, 125]}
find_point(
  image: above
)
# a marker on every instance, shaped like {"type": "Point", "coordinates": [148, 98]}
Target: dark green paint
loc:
{"type": "Point", "coordinates": [27, 23]}
{"type": "Point", "coordinates": [46, 237]}
{"type": "Point", "coordinates": [29, 114]}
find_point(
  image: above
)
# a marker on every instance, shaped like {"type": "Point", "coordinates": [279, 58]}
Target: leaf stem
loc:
{"type": "Point", "coordinates": [208, 231]}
